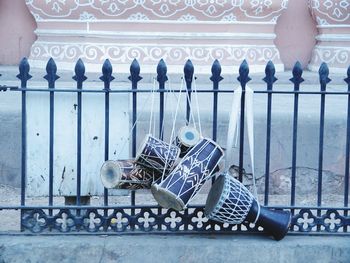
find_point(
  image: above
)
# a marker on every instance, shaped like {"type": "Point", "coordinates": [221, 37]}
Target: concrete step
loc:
{"type": "Point", "coordinates": [174, 248]}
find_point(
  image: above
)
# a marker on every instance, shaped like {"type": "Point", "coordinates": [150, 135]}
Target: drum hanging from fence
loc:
{"type": "Point", "coordinates": [184, 182]}
{"type": "Point", "coordinates": [157, 155]}
{"type": "Point", "coordinates": [229, 201]}
{"type": "Point", "coordinates": [126, 174]}
{"type": "Point", "coordinates": [186, 138]}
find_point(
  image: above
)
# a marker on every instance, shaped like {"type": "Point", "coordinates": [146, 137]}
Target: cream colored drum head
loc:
{"type": "Point", "coordinates": [188, 136]}
{"type": "Point", "coordinates": [112, 172]}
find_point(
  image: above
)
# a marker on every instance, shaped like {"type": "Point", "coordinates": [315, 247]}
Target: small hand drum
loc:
{"type": "Point", "coordinates": [125, 174]}
{"type": "Point", "coordinates": [229, 201]}
{"type": "Point", "coordinates": [157, 155]}
{"type": "Point", "coordinates": [186, 138]}
{"type": "Point", "coordinates": [184, 182]}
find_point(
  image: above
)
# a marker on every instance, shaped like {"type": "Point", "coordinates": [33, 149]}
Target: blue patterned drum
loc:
{"type": "Point", "coordinates": [184, 182]}
{"type": "Point", "coordinates": [157, 155]}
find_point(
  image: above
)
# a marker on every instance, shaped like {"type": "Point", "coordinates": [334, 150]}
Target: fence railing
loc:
{"type": "Point", "coordinates": [136, 218]}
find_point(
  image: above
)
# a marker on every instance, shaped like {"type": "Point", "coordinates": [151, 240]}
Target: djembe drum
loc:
{"type": "Point", "coordinates": [157, 155]}
{"type": "Point", "coordinates": [125, 174]}
{"type": "Point", "coordinates": [184, 182]}
{"type": "Point", "coordinates": [186, 138]}
{"type": "Point", "coordinates": [229, 201]}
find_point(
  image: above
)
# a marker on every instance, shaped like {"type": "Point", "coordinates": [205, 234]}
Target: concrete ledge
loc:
{"type": "Point", "coordinates": [188, 248]}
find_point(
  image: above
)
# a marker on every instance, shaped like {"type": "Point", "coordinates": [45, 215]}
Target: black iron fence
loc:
{"type": "Point", "coordinates": [136, 218]}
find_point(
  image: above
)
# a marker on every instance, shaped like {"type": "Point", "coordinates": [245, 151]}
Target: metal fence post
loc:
{"type": "Point", "coordinates": [79, 78]}
{"type": "Point", "coordinates": [134, 78]}
{"type": "Point", "coordinates": [347, 151]}
{"type": "Point", "coordinates": [24, 76]}
{"type": "Point", "coordinates": [270, 79]}
{"type": "Point", "coordinates": [243, 79]}
{"type": "Point", "coordinates": [161, 78]}
{"type": "Point", "coordinates": [107, 78]}
{"type": "Point", "coordinates": [215, 78]}
{"type": "Point", "coordinates": [51, 77]}
{"type": "Point", "coordinates": [324, 80]}
{"type": "Point", "coordinates": [188, 74]}
{"type": "Point", "coordinates": [296, 80]}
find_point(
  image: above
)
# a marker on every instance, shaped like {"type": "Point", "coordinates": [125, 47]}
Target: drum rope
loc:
{"type": "Point", "coordinates": [151, 118]}
{"type": "Point", "coordinates": [173, 129]}
{"type": "Point", "coordinates": [191, 111]}
{"type": "Point", "coordinates": [165, 103]}
{"type": "Point", "coordinates": [197, 105]}
{"type": "Point", "coordinates": [138, 117]}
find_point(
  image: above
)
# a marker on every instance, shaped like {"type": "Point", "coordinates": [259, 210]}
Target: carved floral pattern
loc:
{"type": "Point", "coordinates": [330, 11]}
{"type": "Point", "coordinates": [331, 48]}
{"type": "Point", "coordinates": [183, 10]}
{"type": "Point", "coordinates": [334, 56]}
{"type": "Point", "coordinates": [152, 54]}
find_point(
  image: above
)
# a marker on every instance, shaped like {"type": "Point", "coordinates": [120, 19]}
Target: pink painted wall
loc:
{"type": "Point", "coordinates": [295, 31]}
{"type": "Point", "coordinates": [16, 31]}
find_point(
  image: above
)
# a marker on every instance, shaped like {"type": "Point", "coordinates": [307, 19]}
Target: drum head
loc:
{"type": "Point", "coordinates": [188, 136]}
{"type": "Point", "coordinates": [214, 195]}
{"type": "Point", "coordinates": [111, 173]}
{"type": "Point", "coordinates": [166, 198]}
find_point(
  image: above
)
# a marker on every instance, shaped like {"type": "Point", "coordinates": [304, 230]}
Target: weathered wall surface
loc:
{"type": "Point", "coordinates": [295, 32]}
{"type": "Point", "coordinates": [17, 27]}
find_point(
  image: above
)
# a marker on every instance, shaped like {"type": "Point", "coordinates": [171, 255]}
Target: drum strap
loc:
{"type": "Point", "coordinates": [232, 128]}
{"type": "Point", "coordinates": [249, 110]}
{"type": "Point", "coordinates": [257, 215]}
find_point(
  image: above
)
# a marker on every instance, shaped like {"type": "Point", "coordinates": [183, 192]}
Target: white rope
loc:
{"type": "Point", "coordinates": [138, 116]}
{"type": "Point", "coordinates": [152, 108]}
{"type": "Point", "coordinates": [191, 111]}
{"type": "Point", "coordinates": [165, 103]}
{"type": "Point", "coordinates": [197, 105]}
{"type": "Point", "coordinates": [173, 129]}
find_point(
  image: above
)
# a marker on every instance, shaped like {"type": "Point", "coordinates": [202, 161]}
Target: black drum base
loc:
{"type": "Point", "coordinates": [274, 222]}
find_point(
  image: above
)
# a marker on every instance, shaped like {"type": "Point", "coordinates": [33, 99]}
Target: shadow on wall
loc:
{"type": "Point", "coordinates": [17, 27]}
{"type": "Point", "coordinates": [295, 31]}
